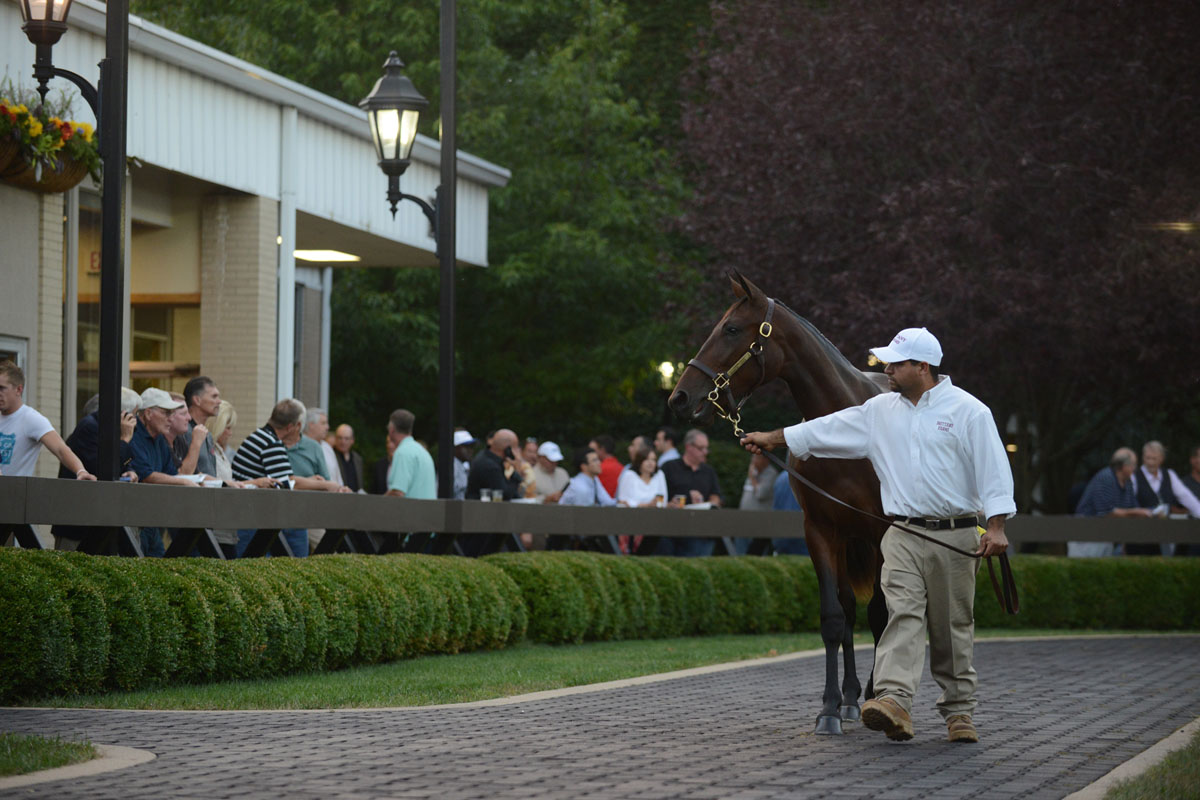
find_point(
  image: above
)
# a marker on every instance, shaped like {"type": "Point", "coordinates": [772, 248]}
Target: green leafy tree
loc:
{"type": "Point", "coordinates": [560, 335]}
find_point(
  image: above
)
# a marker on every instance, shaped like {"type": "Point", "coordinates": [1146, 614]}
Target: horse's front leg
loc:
{"type": "Point", "coordinates": [833, 624]}
{"type": "Point", "coordinates": [851, 688]}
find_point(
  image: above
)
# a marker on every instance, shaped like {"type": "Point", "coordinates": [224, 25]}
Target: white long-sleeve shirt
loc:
{"type": "Point", "coordinates": [1183, 495]}
{"type": "Point", "coordinates": [940, 458]}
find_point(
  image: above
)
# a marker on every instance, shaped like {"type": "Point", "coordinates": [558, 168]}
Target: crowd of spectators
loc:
{"type": "Point", "coordinates": [183, 439]}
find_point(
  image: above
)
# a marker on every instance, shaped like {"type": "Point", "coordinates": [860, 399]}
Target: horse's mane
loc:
{"type": "Point", "coordinates": [835, 355]}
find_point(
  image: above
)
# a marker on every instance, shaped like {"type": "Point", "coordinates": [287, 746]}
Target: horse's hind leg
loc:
{"type": "Point", "coordinates": [877, 616]}
{"type": "Point", "coordinates": [851, 688]}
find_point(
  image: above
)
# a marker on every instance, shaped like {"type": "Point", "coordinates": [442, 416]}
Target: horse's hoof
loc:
{"type": "Point", "coordinates": [829, 725]}
{"type": "Point", "coordinates": [851, 713]}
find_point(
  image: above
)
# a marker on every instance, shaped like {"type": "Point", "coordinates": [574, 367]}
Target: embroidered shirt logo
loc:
{"type": "Point", "coordinates": [944, 427]}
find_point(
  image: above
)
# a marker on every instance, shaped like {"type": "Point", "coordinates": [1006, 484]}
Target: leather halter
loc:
{"type": "Point", "coordinates": [721, 379]}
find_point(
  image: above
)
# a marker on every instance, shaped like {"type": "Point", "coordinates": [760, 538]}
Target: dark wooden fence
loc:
{"type": "Point", "coordinates": [438, 525]}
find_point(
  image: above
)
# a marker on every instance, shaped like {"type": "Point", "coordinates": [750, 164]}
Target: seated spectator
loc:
{"type": "Point", "coordinates": [1110, 492]}
{"type": "Point", "coordinates": [185, 450]}
{"type": "Point", "coordinates": [306, 456]}
{"type": "Point", "coordinates": [84, 442]}
{"type": "Point", "coordinates": [1192, 482]}
{"type": "Point", "coordinates": [643, 484]}
{"type": "Point", "coordinates": [1159, 488]}
{"type": "Point", "coordinates": [318, 430]}
{"type": "Point", "coordinates": [550, 479]}
{"type": "Point", "coordinates": [23, 431]}
{"type": "Point", "coordinates": [349, 462]}
{"type": "Point", "coordinates": [1192, 479]}
{"type": "Point", "coordinates": [309, 460]}
{"type": "Point", "coordinates": [610, 469]}
{"type": "Point", "coordinates": [412, 474]}
{"type": "Point", "coordinates": [664, 443]}
{"type": "Point", "coordinates": [464, 451]}
{"type": "Point", "coordinates": [758, 492]}
{"type": "Point", "coordinates": [152, 458]}
{"type": "Point", "coordinates": [263, 455]}
{"type": "Point", "coordinates": [783, 499]}
{"type": "Point", "coordinates": [202, 398]}
{"type": "Point", "coordinates": [222, 423]}
{"type": "Point", "coordinates": [379, 470]}
{"type": "Point", "coordinates": [529, 450]}
{"type": "Point", "coordinates": [497, 467]}
{"type": "Point", "coordinates": [586, 489]}
{"type": "Point", "coordinates": [636, 444]}
{"type": "Point", "coordinates": [691, 476]}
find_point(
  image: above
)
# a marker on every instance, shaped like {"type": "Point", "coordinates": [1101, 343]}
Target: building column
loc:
{"type": "Point", "coordinates": [48, 351]}
{"type": "Point", "coordinates": [239, 303]}
{"type": "Point", "coordinates": [285, 361]}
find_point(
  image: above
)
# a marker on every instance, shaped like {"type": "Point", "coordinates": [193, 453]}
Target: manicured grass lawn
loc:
{"type": "Point", "coordinates": [467, 677]}
{"type": "Point", "coordinates": [21, 754]}
{"type": "Point", "coordinates": [1177, 777]}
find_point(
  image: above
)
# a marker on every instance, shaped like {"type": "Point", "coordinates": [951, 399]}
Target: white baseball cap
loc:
{"type": "Point", "coordinates": [157, 398]}
{"type": "Point", "coordinates": [917, 344]}
{"type": "Point", "coordinates": [550, 450]}
{"type": "Point", "coordinates": [463, 437]}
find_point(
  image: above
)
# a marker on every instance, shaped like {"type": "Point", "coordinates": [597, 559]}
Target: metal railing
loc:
{"type": "Point", "coordinates": [113, 506]}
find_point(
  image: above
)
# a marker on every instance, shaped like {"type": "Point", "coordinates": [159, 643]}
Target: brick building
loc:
{"type": "Point", "coordinates": [239, 182]}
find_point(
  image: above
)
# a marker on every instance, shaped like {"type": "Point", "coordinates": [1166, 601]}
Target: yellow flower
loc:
{"type": "Point", "coordinates": [84, 129]}
{"type": "Point", "coordinates": [35, 127]}
{"type": "Point", "coordinates": [57, 122]}
{"type": "Point", "coordinates": [21, 108]}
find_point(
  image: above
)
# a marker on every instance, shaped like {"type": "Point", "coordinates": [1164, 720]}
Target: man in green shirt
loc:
{"type": "Point", "coordinates": [305, 456]}
{"type": "Point", "coordinates": [412, 473]}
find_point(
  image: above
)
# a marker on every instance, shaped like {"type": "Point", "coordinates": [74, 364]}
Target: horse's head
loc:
{"type": "Point", "coordinates": [737, 349]}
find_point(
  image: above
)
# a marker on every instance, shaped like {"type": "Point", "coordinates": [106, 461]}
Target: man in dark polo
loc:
{"type": "Point", "coordinates": [692, 477]}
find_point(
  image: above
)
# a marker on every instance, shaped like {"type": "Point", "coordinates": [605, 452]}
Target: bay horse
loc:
{"type": "Point", "coordinates": [756, 341]}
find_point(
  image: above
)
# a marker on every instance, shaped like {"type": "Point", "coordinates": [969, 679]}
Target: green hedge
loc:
{"type": "Point", "coordinates": [78, 623]}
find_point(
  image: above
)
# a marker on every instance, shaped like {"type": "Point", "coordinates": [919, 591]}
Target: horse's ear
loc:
{"type": "Point", "coordinates": [741, 286]}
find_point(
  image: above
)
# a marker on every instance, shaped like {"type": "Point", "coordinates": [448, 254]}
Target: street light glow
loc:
{"type": "Point", "coordinates": [325, 256]}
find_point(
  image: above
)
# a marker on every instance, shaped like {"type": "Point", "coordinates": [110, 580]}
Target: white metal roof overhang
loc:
{"type": "Point", "coordinates": [202, 113]}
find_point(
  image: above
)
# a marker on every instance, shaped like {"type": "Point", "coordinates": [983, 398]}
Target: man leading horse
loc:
{"type": "Point", "coordinates": [939, 459]}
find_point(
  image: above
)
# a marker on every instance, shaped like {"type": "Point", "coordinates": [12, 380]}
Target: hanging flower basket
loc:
{"type": "Point", "coordinates": [61, 176]}
{"type": "Point", "coordinates": [9, 147]}
{"type": "Point", "coordinates": [52, 154]}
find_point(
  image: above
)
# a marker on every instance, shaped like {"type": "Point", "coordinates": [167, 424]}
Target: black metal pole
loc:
{"type": "Point", "coordinates": [447, 255]}
{"type": "Point", "coordinates": [114, 72]}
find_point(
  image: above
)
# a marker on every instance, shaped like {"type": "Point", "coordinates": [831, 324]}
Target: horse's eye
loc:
{"type": "Point", "coordinates": [732, 330]}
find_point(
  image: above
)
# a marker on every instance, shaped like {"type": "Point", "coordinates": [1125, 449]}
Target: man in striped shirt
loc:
{"type": "Point", "coordinates": [263, 454]}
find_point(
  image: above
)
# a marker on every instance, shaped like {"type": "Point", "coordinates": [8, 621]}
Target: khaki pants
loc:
{"type": "Point", "coordinates": [928, 589]}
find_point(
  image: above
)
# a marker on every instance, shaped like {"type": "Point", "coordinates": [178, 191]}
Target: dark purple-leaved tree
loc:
{"type": "Point", "coordinates": [993, 170]}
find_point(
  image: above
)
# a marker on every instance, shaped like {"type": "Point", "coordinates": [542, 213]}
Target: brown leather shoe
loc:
{"type": "Point", "coordinates": [886, 715]}
{"type": "Point", "coordinates": [959, 728]}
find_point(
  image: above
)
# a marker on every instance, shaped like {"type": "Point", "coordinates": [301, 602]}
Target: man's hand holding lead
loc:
{"type": "Point", "coordinates": [992, 543]}
{"type": "Point", "coordinates": [758, 441]}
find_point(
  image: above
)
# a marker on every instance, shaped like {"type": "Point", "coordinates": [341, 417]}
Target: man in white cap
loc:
{"type": "Point", "coordinates": [151, 455]}
{"type": "Point", "coordinates": [940, 461]}
{"type": "Point", "coordinates": [548, 475]}
{"type": "Point", "coordinates": [464, 451]}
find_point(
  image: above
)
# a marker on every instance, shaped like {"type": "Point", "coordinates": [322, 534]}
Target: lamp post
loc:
{"type": "Point", "coordinates": [393, 108]}
{"type": "Point", "coordinates": [44, 23]}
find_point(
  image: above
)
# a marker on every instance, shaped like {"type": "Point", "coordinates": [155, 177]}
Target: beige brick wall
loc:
{"type": "Point", "coordinates": [238, 303]}
{"type": "Point", "coordinates": [49, 351]}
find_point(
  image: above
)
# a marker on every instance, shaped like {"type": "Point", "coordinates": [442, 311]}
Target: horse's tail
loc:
{"type": "Point", "coordinates": [862, 562]}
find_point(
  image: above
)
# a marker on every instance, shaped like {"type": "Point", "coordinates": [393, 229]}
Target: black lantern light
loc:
{"type": "Point", "coordinates": [393, 109]}
{"type": "Point", "coordinates": [45, 21]}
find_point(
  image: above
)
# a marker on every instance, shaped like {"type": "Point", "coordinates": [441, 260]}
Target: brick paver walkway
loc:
{"type": "Point", "coordinates": [1054, 716]}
